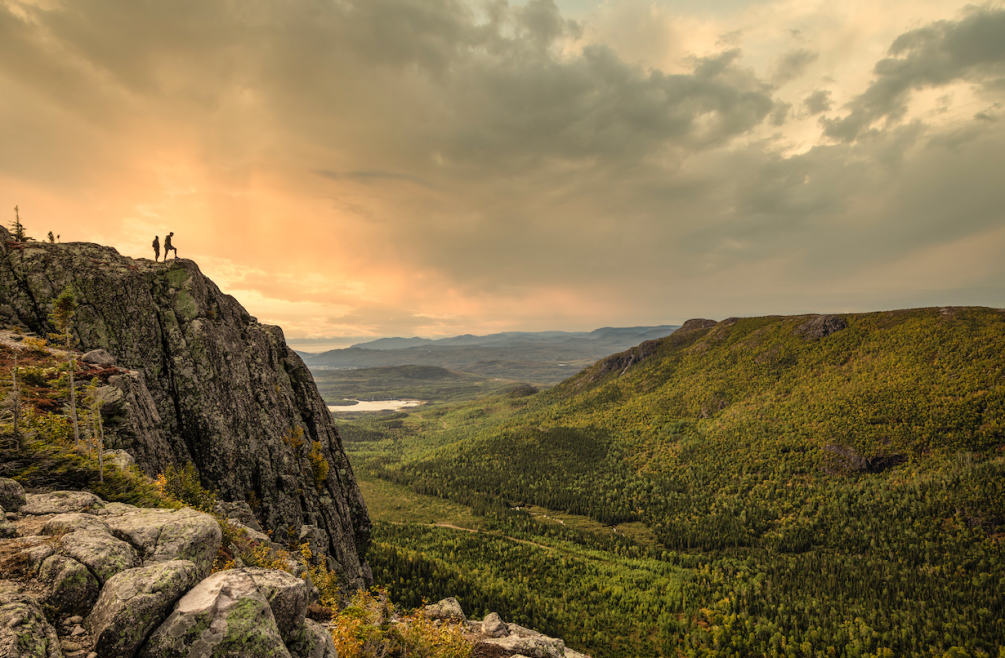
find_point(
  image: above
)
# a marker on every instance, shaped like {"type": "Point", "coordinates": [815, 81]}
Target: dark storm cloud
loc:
{"type": "Point", "coordinates": [971, 49]}
{"type": "Point", "coordinates": [792, 65]}
{"type": "Point", "coordinates": [817, 102]}
{"type": "Point", "coordinates": [499, 153]}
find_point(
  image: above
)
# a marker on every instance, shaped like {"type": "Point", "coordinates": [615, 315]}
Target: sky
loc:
{"type": "Point", "coordinates": [440, 167]}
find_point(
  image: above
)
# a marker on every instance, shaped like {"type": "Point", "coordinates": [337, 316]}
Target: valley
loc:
{"type": "Point", "coordinates": [813, 485]}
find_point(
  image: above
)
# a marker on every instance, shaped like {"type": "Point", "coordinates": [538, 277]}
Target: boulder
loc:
{"type": "Point", "coordinates": [224, 616]}
{"type": "Point", "coordinates": [494, 626]}
{"type": "Point", "coordinates": [134, 602]}
{"type": "Point", "coordinates": [61, 502]}
{"type": "Point", "coordinates": [122, 459]}
{"type": "Point", "coordinates": [528, 643]}
{"type": "Point", "coordinates": [239, 510]}
{"type": "Point", "coordinates": [100, 552]}
{"type": "Point", "coordinates": [25, 632]}
{"type": "Point", "coordinates": [162, 535]}
{"type": "Point", "coordinates": [72, 588]}
{"type": "Point", "coordinates": [12, 497]}
{"type": "Point", "coordinates": [7, 529]}
{"type": "Point", "coordinates": [312, 640]}
{"type": "Point", "coordinates": [252, 534]}
{"type": "Point", "coordinates": [37, 552]}
{"type": "Point", "coordinates": [447, 609]}
{"type": "Point", "coordinates": [287, 596]}
{"type": "Point", "coordinates": [99, 358]}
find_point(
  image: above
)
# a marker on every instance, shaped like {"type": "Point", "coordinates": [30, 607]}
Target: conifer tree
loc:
{"type": "Point", "coordinates": [64, 308]}
{"type": "Point", "coordinates": [17, 227]}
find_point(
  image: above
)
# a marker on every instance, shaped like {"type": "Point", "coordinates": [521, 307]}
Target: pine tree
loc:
{"type": "Point", "coordinates": [64, 308]}
{"type": "Point", "coordinates": [18, 228]}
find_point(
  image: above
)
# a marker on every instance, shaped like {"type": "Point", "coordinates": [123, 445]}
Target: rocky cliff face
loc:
{"type": "Point", "coordinates": [209, 385]}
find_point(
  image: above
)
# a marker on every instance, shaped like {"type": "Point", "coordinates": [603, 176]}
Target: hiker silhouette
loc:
{"type": "Point", "coordinates": [157, 248]}
{"type": "Point", "coordinates": [169, 247]}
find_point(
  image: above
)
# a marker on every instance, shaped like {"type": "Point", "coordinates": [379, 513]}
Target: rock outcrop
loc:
{"type": "Point", "coordinates": [197, 379]}
{"type": "Point", "coordinates": [109, 579]}
{"type": "Point", "coordinates": [494, 637]}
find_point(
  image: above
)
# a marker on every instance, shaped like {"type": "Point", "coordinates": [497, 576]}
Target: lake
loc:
{"type": "Point", "coordinates": [376, 405]}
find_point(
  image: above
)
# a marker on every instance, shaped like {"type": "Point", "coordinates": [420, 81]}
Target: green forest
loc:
{"type": "Point", "coordinates": [753, 487]}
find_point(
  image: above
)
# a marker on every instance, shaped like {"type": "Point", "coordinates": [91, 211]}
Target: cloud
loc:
{"type": "Point", "coordinates": [792, 65]}
{"type": "Point", "coordinates": [970, 49]}
{"type": "Point", "coordinates": [817, 102]}
{"type": "Point", "coordinates": [435, 166]}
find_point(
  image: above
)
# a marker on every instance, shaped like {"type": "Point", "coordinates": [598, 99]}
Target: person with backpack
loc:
{"type": "Point", "coordinates": [157, 248]}
{"type": "Point", "coordinates": [169, 247]}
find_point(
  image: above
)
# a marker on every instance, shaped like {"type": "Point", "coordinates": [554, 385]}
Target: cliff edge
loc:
{"type": "Point", "coordinates": [225, 392]}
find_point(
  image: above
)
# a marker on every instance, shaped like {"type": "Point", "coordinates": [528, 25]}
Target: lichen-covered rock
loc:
{"type": "Point", "coordinates": [99, 357]}
{"type": "Point", "coordinates": [36, 553]}
{"type": "Point", "coordinates": [222, 389]}
{"type": "Point", "coordinates": [72, 522]}
{"type": "Point", "coordinates": [100, 552]}
{"type": "Point", "coordinates": [120, 458]}
{"type": "Point", "coordinates": [533, 646]}
{"type": "Point", "coordinates": [447, 609]}
{"type": "Point", "coordinates": [134, 602]}
{"type": "Point", "coordinates": [252, 534]}
{"type": "Point", "coordinates": [12, 497]}
{"type": "Point", "coordinates": [224, 616]}
{"type": "Point", "coordinates": [312, 640]}
{"type": "Point", "coordinates": [72, 588]}
{"type": "Point", "coordinates": [25, 632]}
{"type": "Point", "coordinates": [239, 510]}
{"type": "Point", "coordinates": [494, 626]}
{"type": "Point", "coordinates": [61, 502]}
{"type": "Point", "coordinates": [162, 535]}
{"type": "Point", "coordinates": [7, 529]}
{"type": "Point", "coordinates": [287, 596]}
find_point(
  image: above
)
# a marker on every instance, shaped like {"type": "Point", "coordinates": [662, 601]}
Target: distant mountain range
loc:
{"type": "Point", "coordinates": [544, 357]}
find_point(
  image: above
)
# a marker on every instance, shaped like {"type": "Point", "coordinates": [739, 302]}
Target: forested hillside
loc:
{"type": "Point", "coordinates": [814, 485]}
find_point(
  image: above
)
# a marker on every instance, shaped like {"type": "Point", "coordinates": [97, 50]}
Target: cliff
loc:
{"type": "Point", "coordinates": [209, 385]}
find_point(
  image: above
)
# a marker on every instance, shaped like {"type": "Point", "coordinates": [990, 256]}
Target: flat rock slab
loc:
{"type": "Point", "coordinates": [134, 602]}
{"type": "Point", "coordinates": [72, 522]}
{"type": "Point", "coordinates": [25, 633]}
{"type": "Point", "coordinates": [224, 616]}
{"type": "Point", "coordinates": [100, 552]}
{"type": "Point", "coordinates": [163, 535]}
{"type": "Point", "coordinates": [61, 502]}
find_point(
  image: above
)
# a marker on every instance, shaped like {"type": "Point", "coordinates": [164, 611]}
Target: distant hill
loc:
{"type": "Point", "coordinates": [428, 383]}
{"type": "Point", "coordinates": [543, 357]}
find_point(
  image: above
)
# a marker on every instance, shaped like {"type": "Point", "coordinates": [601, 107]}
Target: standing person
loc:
{"type": "Point", "coordinates": [157, 248]}
{"type": "Point", "coordinates": [169, 247]}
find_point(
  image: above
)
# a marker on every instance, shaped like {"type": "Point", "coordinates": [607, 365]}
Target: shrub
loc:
{"type": "Point", "coordinates": [319, 465]}
{"type": "Point", "coordinates": [364, 630]}
{"type": "Point", "coordinates": [183, 485]}
{"type": "Point", "coordinates": [36, 345]}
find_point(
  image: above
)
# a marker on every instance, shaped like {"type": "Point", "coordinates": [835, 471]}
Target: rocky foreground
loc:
{"type": "Point", "coordinates": [80, 577]}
